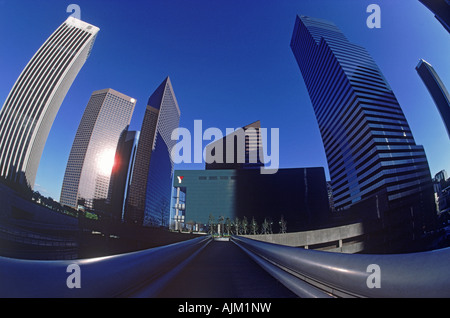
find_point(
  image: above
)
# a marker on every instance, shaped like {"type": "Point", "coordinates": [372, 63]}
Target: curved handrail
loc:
{"type": "Point", "coordinates": [124, 275]}
{"type": "Point", "coordinates": [414, 275]}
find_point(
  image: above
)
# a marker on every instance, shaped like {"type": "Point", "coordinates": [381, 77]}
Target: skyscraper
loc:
{"type": "Point", "coordinates": [148, 201]}
{"type": "Point", "coordinates": [122, 172]}
{"type": "Point", "coordinates": [31, 106]}
{"type": "Point", "coordinates": [299, 195]}
{"type": "Point", "coordinates": [373, 160]}
{"type": "Point", "coordinates": [437, 90]}
{"type": "Point", "coordinates": [241, 149]}
{"type": "Point", "coordinates": [441, 11]}
{"type": "Point", "coordinates": [86, 180]}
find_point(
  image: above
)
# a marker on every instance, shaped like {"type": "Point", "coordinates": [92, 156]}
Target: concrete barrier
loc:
{"type": "Point", "coordinates": [345, 239]}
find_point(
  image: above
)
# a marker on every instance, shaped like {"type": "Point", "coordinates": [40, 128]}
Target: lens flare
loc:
{"type": "Point", "coordinates": [105, 162]}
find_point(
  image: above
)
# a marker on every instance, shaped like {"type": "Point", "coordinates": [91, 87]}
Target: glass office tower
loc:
{"type": "Point", "coordinates": [121, 174]}
{"type": "Point", "coordinates": [31, 106]}
{"type": "Point", "coordinates": [441, 11]}
{"type": "Point", "coordinates": [148, 201]}
{"type": "Point", "coordinates": [91, 160]}
{"type": "Point", "coordinates": [375, 165]}
{"type": "Point", "coordinates": [437, 90]}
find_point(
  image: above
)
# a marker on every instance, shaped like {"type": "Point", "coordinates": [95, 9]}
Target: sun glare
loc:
{"type": "Point", "coordinates": [105, 162]}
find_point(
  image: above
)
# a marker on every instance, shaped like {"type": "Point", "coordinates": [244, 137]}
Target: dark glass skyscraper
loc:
{"type": "Point", "coordinates": [441, 10]}
{"type": "Point", "coordinates": [148, 201]}
{"type": "Point", "coordinates": [121, 173]}
{"type": "Point", "coordinates": [437, 90]}
{"type": "Point", "coordinates": [373, 160]}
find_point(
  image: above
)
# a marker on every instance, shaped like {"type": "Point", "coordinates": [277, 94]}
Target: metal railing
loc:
{"type": "Point", "coordinates": [307, 273]}
{"type": "Point", "coordinates": [136, 274]}
{"type": "Point", "coordinates": [310, 273]}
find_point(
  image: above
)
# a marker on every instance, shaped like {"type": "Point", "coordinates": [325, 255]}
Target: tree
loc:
{"type": "Point", "coordinates": [283, 225]}
{"type": "Point", "coordinates": [237, 225]}
{"type": "Point", "coordinates": [228, 225]}
{"type": "Point", "coordinates": [270, 226]}
{"type": "Point", "coordinates": [244, 225]}
{"type": "Point", "coordinates": [265, 227]}
{"type": "Point", "coordinates": [254, 226]}
{"type": "Point", "coordinates": [211, 224]}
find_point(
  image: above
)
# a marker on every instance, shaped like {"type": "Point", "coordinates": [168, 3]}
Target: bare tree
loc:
{"type": "Point", "coordinates": [211, 224]}
{"type": "Point", "coordinates": [254, 226]}
{"type": "Point", "coordinates": [244, 225]}
{"type": "Point", "coordinates": [265, 227]}
{"type": "Point", "coordinates": [237, 225]}
{"type": "Point", "coordinates": [270, 226]}
{"type": "Point", "coordinates": [228, 225]}
{"type": "Point", "coordinates": [283, 225]}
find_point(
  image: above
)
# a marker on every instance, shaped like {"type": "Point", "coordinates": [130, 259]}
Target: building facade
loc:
{"type": "Point", "coordinates": [242, 149]}
{"type": "Point", "coordinates": [298, 195]}
{"type": "Point", "coordinates": [437, 90]}
{"type": "Point", "coordinates": [148, 201]}
{"type": "Point", "coordinates": [441, 11]}
{"type": "Point", "coordinates": [442, 191]}
{"type": "Point", "coordinates": [91, 159]}
{"type": "Point", "coordinates": [31, 106]}
{"type": "Point", "coordinates": [121, 173]}
{"type": "Point", "coordinates": [375, 165]}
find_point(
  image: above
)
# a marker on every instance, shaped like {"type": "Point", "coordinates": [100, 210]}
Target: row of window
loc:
{"type": "Point", "coordinates": [43, 71]}
{"type": "Point", "coordinates": [216, 178]}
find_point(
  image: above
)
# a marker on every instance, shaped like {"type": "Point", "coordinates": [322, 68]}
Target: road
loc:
{"type": "Point", "coordinates": [223, 270]}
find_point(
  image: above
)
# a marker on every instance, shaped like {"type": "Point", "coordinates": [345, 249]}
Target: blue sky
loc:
{"type": "Point", "coordinates": [230, 64]}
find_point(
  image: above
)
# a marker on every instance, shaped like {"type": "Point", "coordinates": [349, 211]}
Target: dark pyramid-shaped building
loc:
{"type": "Point", "coordinates": [148, 199]}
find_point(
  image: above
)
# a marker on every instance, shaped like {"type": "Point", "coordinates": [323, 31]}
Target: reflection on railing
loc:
{"type": "Point", "coordinates": [311, 273]}
{"type": "Point", "coordinates": [136, 274]}
{"type": "Point", "coordinates": [307, 273]}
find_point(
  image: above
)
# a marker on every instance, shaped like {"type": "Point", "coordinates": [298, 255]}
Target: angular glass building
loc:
{"type": "Point", "coordinates": [375, 166]}
{"type": "Point", "coordinates": [31, 106]}
{"type": "Point", "coordinates": [148, 201]}
{"type": "Point", "coordinates": [437, 90]}
{"type": "Point", "coordinates": [91, 159]}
